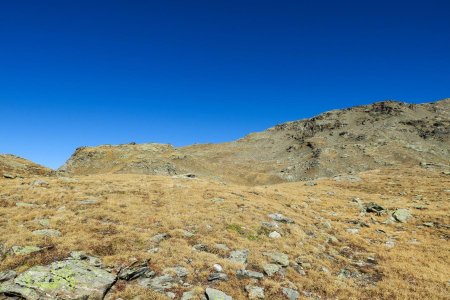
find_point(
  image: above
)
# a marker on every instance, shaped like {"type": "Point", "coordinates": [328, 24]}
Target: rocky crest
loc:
{"type": "Point", "coordinates": [383, 134]}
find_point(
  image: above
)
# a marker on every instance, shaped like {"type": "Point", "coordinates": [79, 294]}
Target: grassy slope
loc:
{"type": "Point", "coordinates": [133, 208]}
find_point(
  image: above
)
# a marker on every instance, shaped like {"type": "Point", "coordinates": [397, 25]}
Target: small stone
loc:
{"type": "Point", "coordinates": [88, 202]}
{"type": "Point", "coordinates": [213, 294]}
{"type": "Point", "coordinates": [44, 222]}
{"type": "Point", "coordinates": [254, 292]}
{"type": "Point", "coordinates": [190, 295]}
{"type": "Point", "coordinates": [271, 269]}
{"type": "Point", "coordinates": [249, 274]}
{"type": "Point", "coordinates": [390, 244]}
{"type": "Point", "coordinates": [153, 250]}
{"type": "Point", "coordinates": [28, 205]}
{"type": "Point", "coordinates": [401, 215]}
{"type": "Point", "coordinates": [428, 224]}
{"type": "Point", "coordinates": [134, 271]}
{"type": "Point", "coordinates": [280, 218]}
{"type": "Point", "coordinates": [217, 200]}
{"type": "Point", "coordinates": [9, 176]}
{"type": "Point", "coordinates": [278, 258]}
{"type": "Point", "coordinates": [310, 183]}
{"type": "Point", "coordinates": [373, 207]}
{"type": "Point", "coordinates": [274, 235]}
{"type": "Point", "coordinates": [239, 256]}
{"type": "Point", "coordinates": [222, 247]}
{"type": "Point", "coordinates": [217, 276]}
{"type": "Point", "coordinates": [290, 293]}
{"type": "Point", "coordinates": [217, 268]}
{"type": "Point", "coordinates": [47, 232]}
{"type": "Point", "coordinates": [171, 295]}
{"type": "Point", "coordinates": [188, 234]}
{"type": "Point", "coordinates": [158, 238]}
{"type": "Point", "coordinates": [352, 230]}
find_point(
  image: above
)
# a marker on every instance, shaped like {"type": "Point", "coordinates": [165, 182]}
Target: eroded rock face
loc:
{"type": "Point", "coordinates": [68, 279]}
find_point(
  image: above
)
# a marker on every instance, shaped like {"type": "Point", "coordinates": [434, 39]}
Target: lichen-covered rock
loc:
{"type": "Point", "coordinates": [69, 279]}
{"type": "Point", "coordinates": [47, 232]}
{"type": "Point", "coordinates": [255, 292]}
{"type": "Point", "coordinates": [24, 250]}
{"type": "Point", "coordinates": [401, 215]}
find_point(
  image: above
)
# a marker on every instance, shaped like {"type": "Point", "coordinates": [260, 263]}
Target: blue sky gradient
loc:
{"type": "Point", "coordinates": [75, 73]}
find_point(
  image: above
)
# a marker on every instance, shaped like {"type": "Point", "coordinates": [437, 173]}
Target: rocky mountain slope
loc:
{"type": "Point", "coordinates": [12, 166]}
{"type": "Point", "coordinates": [338, 142]}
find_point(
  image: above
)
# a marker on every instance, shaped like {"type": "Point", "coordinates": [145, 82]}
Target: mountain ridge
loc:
{"type": "Point", "coordinates": [345, 141]}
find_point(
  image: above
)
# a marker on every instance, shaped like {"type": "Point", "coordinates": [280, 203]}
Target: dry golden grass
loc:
{"type": "Point", "coordinates": [133, 208]}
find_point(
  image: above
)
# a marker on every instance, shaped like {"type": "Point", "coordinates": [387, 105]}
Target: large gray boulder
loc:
{"type": "Point", "coordinates": [213, 294]}
{"type": "Point", "coordinates": [68, 279]}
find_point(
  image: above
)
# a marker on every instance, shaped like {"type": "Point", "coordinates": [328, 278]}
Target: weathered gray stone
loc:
{"type": "Point", "coordinates": [200, 247]}
{"type": "Point", "coordinates": [159, 237]}
{"type": "Point", "coordinates": [255, 292]}
{"type": "Point", "coordinates": [88, 202]}
{"type": "Point", "coordinates": [217, 276]}
{"type": "Point", "coordinates": [278, 258]}
{"type": "Point", "coordinates": [274, 235]}
{"type": "Point", "coordinates": [135, 271]}
{"type": "Point", "coordinates": [401, 215]}
{"type": "Point", "coordinates": [280, 218]}
{"type": "Point", "coordinates": [213, 294]}
{"type": "Point", "coordinates": [249, 274]}
{"type": "Point", "coordinates": [290, 293]}
{"type": "Point", "coordinates": [271, 269]}
{"type": "Point", "coordinates": [27, 205]}
{"type": "Point", "coordinates": [47, 232]}
{"type": "Point", "coordinates": [189, 295]}
{"type": "Point", "coordinates": [177, 271]}
{"type": "Point", "coordinates": [239, 256]}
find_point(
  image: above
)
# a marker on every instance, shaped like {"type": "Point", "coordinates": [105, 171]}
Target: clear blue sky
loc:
{"type": "Point", "coordinates": [76, 73]}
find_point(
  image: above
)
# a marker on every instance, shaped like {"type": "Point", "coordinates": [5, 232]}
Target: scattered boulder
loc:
{"type": "Point", "coordinates": [9, 176]}
{"type": "Point", "coordinates": [274, 235]}
{"type": "Point", "coordinates": [280, 218]}
{"type": "Point", "coordinates": [189, 295]}
{"type": "Point", "coordinates": [88, 202]}
{"type": "Point", "coordinates": [278, 258]}
{"type": "Point", "coordinates": [217, 268]}
{"type": "Point", "coordinates": [213, 294]}
{"type": "Point", "coordinates": [271, 269]}
{"type": "Point", "coordinates": [255, 292]}
{"type": "Point", "coordinates": [24, 250]}
{"type": "Point", "coordinates": [47, 232]}
{"type": "Point", "coordinates": [290, 294]}
{"type": "Point", "coordinates": [134, 271]}
{"type": "Point", "coordinates": [401, 215]}
{"type": "Point", "coordinates": [239, 256]}
{"type": "Point", "coordinates": [249, 274]}
{"type": "Point", "coordinates": [39, 183]}
{"type": "Point", "coordinates": [217, 276]}
{"type": "Point", "coordinates": [27, 205]}
{"type": "Point", "coordinates": [158, 238]}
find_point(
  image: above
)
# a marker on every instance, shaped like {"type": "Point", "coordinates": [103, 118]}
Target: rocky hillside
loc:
{"type": "Point", "coordinates": [338, 142]}
{"type": "Point", "coordinates": [12, 166]}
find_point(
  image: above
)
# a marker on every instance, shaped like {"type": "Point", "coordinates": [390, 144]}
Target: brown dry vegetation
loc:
{"type": "Point", "coordinates": [133, 208]}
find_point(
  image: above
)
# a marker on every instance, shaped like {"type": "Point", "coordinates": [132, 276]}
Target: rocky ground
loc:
{"type": "Point", "coordinates": [379, 234]}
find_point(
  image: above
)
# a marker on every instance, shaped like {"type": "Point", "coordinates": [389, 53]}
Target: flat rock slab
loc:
{"type": "Point", "coordinates": [47, 232]}
{"type": "Point", "coordinates": [70, 279]}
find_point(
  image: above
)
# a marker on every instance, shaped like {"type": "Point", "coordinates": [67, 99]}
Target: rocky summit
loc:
{"type": "Point", "coordinates": [351, 204]}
